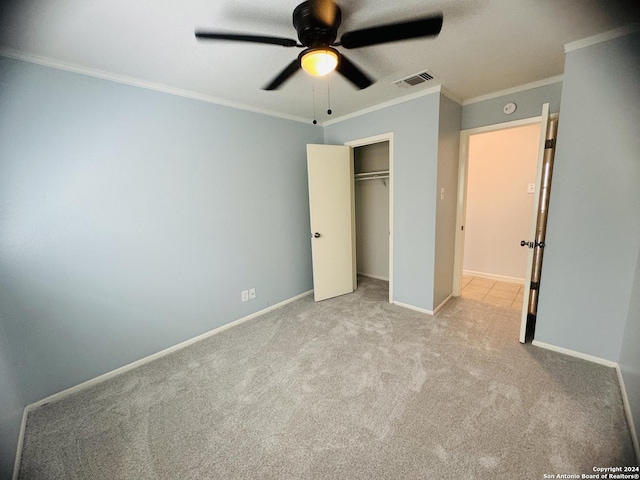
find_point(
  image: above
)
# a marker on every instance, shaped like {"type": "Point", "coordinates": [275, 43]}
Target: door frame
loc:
{"type": "Point", "coordinates": [361, 142]}
{"type": "Point", "coordinates": [463, 166]}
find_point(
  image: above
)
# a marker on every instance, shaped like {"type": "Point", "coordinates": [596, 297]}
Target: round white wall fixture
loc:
{"type": "Point", "coordinates": [509, 108]}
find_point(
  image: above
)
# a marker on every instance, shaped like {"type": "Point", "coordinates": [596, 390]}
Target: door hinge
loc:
{"type": "Point", "coordinates": [535, 285]}
{"type": "Point", "coordinates": [462, 228]}
{"type": "Point", "coordinates": [551, 143]}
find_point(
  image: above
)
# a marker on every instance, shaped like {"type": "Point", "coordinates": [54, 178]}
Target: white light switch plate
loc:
{"type": "Point", "coordinates": [531, 188]}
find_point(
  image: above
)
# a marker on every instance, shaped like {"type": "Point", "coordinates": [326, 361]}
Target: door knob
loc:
{"type": "Point", "coordinates": [524, 243]}
{"type": "Point", "coordinates": [316, 235]}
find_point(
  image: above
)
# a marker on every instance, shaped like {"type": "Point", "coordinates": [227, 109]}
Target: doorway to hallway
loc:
{"type": "Point", "coordinates": [500, 191]}
{"type": "Point", "coordinates": [539, 189]}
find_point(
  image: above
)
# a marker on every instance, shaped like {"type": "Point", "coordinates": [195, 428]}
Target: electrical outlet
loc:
{"type": "Point", "coordinates": [252, 294]}
{"type": "Point", "coordinates": [245, 295]}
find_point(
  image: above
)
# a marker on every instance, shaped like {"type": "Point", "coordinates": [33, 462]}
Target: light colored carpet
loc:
{"type": "Point", "coordinates": [351, 387]}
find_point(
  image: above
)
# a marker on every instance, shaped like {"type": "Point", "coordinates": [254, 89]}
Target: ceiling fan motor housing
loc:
{"type": "Point", "coordinates": [313, 32]}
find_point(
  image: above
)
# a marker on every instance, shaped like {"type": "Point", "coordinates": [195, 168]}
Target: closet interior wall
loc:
{"type": "Point", "coordinates": [371, 170]}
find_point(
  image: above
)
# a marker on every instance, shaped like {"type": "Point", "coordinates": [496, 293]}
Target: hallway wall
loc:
{"type": "Point", "coordinates": [499, 207]}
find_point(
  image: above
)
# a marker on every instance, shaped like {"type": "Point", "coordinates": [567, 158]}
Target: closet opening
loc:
{"type": "Point", "coordinates": [373, 187]}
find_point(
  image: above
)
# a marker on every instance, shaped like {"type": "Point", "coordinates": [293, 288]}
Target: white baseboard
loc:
{"type": "Point", "coordinates": [412, 307]}
{"type": "Point", "coordinates": [442, 304]}
{"type": "Point", "coordinates": [629, 414]}
{"type": "Point", "coordinates": [491, 276]}
{"type": "Point", "coordinates": [18, 459]}
{"type": "Point", "coordinates": [623, 390]}
{"type": "Point", "coordinates": [118, 371]}
{"type": "Point", "coordinates": [377, 277]}
{"type": "Point", "coordinates": [424, 310]}
{"type": "Point", "coordinates": [573, 353]}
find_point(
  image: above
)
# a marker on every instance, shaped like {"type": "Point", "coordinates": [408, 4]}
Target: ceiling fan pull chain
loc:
{"type": "Point", "coordinates": [328, 95]}
{"type": "Point", "coordinates": [313, 95]}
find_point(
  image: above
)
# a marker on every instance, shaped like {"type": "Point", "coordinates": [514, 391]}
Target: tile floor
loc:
{"type": "Point", "coordinates": [504, 294]}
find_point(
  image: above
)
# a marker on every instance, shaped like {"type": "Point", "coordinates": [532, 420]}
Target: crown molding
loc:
{"type": "Point", "coordinates": [602, 37]}
{"type": "Point", "coordinates": [380, 106]}
{"type": "Point", "coordinates": [136, 82]}
{"type": "Point", "coordinates": [447, 93]}
{"type": "Point", "coordinates": [511, 91]}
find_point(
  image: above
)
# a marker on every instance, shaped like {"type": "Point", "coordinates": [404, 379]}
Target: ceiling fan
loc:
{"type": "Point", "coordinates": [317, 23]}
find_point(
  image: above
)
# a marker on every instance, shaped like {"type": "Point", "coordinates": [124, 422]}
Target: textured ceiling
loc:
{"type": "Point", "coordinates": [485, 45]}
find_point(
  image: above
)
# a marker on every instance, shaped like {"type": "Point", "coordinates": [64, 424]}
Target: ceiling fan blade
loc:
{"type": "Point", "coordinates": [285, 42]}
{"type": "Point", "coordinates": [324, 10]}
{"type": "Point", "coordinates": [353, 73]}
{"type": "Point", "coordinates": [283, 76]}
{"type": "Point", "coordinates": [392, 32]}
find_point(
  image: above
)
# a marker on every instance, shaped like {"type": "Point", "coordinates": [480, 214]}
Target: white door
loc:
{"type": "Point", "coordinates": [332, 212]}
{"type": "Point", "coordinates": [534, 223]}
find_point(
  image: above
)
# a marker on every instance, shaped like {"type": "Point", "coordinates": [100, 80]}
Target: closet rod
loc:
{"type": "Point", "coordinates": [371, 175]}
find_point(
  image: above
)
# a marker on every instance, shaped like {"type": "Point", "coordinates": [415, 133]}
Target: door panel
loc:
{"type": "Point", "coordinates": [331, 204]}
{"type": "Point", "coordinates": [534, 222]}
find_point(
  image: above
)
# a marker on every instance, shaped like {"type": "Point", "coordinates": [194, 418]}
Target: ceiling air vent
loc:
{"type": "Point", "coordinates": [415, 79]}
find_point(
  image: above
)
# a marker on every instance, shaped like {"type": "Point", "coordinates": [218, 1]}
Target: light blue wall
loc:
{"type": "Point", "coordinates": [415, 128]}
{"type": "Point", "coordinates": [593, 231]}
{"type": "Point", "coordinates": [529, 102]}
{"type": "Point", "coordinates": [131, 220]}
{"type": "Point", "coordinates": [630, 352]}
{"type": "Point", "coordinates": [11, 406]}
{"type": "Point", "coordinates": [448, 160]}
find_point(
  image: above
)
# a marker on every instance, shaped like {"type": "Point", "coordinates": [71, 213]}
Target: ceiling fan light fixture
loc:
{"type": "Point", "coordinates": [319, 61]}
